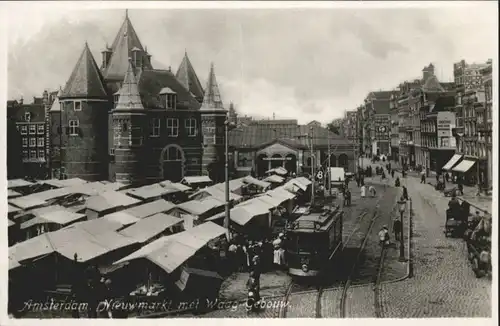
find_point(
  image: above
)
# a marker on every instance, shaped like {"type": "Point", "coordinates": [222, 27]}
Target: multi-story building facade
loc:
{"type": "Point", "coordinates": [414, 101]}
{"type": "Point", "coordinates": [375, 126]}
{"type": "Point", "coordinates": [31, 122]}
{"type": "Point", "coordinates": [436, 123]}
{"type": "Point", "coordinates": [470, 100]}
{"type": "Point", "coordinates": [394, 133]}
{"type": "Point", "coordinates": [109, 117]}
{"type": "Point", "coordinates": [406, 146]}
{"type": "Point", "coordinates": [485, 125]}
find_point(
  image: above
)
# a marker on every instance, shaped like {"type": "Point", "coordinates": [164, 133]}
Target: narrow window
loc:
{"type": "Point", "coordinates": [32, 129]}
{"type": "Point", "coordinates": [172, 127]}
{"type": "Point", "coordinates": [41, 142]}
{"type": "Point", "coordinates": [77, 105]}
{"type": "Point", "coordinates": [25, 142]}
{"type": "Point", "coordinates": [41, 154]}
{"type": "Point", "coordinates": [190, 125]}
{"type": "Point", "coordinates": [73, 127]}
{"type": "Point", "coordinates": [27, 116]}
{"type": "Point", "coordinates": [32, 142]}
{"type": "Point", "coordinates": [24, 130]}
{"type": "Point", "coordinates": [155, 127]}
{"type": "Point", "coordinates": [32, 154]}
{"type": "Point", "coordinates": [41, 129]}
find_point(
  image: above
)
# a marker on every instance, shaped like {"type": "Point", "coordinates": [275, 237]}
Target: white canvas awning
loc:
{"type": "Point", "coordinates": [464, 166]}
{"type": "Point", "coordinates": [451, 163]}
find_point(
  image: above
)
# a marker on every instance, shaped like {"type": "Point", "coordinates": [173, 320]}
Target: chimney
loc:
{"type": "Point", "coordinates": [45, 97]}
{"type": "Point", "coordinates": [428, 72]}
{"type": "Point", "coordinates": [106, 56]}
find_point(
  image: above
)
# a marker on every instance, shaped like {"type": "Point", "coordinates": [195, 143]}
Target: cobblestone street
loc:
{"type": "Point", "coordinates": [444, 284]}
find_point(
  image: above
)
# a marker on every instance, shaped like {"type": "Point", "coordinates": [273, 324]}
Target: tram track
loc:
{"type": "Point", "coordinates": [319, 290]}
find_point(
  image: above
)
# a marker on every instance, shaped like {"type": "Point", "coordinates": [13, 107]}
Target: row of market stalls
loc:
{"type": "Point", "coordinates": [461, 166]}
{"type": "Point", "coordinates": [174, 227]}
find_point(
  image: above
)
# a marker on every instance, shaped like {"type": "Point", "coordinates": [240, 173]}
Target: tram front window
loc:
{"type": "Point", "coordinates": [306, 243]}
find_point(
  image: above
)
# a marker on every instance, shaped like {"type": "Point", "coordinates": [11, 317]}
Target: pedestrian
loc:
{"type": "Point", "coordinates": [383, 236]}
{"type": "Point", "coordinates": [422, 177]}
{"type": "Point", "coordinates": [347, 198]}
{"type": "Point", "coordinates": [363, 191]}
{"type": "Point", "coordinates": [405, 193]}
{"type": "Point", "coordinates": [460, 187]}
{"type": "Point", "coordinates": [392, 173]}
{"type": "Point", "coordinates": [396, 228]}
{"type": "Point", "coordinates": [397, 183]}
{"type": "Point", "coordinates": [372, 191]}
{"type": "Point", "coordinates": [358, 180]}
{"type": "Point", "coordinates": [447, 177]}
{"type": "Point", "coordinates": [232, 253]}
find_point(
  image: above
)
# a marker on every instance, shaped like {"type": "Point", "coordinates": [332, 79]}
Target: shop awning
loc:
{"type": "Point", "coordinates": [464, 166]}
{"type": "Point", "coordinates": [451, 163]}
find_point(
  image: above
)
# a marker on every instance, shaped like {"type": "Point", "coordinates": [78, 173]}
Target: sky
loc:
{"type": "Point", "coordinates": [301, 63]}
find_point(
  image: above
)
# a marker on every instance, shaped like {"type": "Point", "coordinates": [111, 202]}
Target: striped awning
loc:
{"type": "Point", "coordinates": [464, 166]}
{"type": "Point", "coordinates": [452, 162]}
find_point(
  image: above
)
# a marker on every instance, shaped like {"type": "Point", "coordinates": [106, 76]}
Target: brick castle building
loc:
{"type": "Point", "coordinates": [129, 122]}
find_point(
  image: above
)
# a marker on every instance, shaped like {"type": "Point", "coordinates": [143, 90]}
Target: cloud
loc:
{"type": "Point", "coordinates": [308, 64]}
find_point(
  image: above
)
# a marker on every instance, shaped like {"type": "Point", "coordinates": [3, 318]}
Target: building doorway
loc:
{"type": "Point", "coordinates": [262, 165]}
{"type": "Point", "coordinates": [333, 161]}
{"type": "Point", "coordinates": [172, 163]}
{"type": "Point", "coordinates": [291, 163]}
{"type": "Point", "coordinates": [344, 162]}
{"type": "Point", "coordinates": [276, 161]}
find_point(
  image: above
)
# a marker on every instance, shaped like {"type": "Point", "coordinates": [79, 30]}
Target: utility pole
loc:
{"type": "Point", "coordinates": [327, 176]}
{"type": "Point", "coordinates": [226, 145]}
{"type": "Point", "coordinates": [313, 176]}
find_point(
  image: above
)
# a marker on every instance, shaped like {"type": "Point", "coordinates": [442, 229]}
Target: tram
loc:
{"type": "Point", "coordinates": [313, 240]}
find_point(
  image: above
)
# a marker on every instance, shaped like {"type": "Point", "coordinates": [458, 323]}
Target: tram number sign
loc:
{"type": "Point", "coordinates": [320, 175]}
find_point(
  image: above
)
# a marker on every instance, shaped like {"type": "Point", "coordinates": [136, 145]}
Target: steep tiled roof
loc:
{"type": "Point", "coordinates": [151, 82]}
{"type": "Point", "coordinates": [86, 79]}
{"type": "Point", "coordinates": [381, 106]}
{"type": "Point", "coordinates": [432, 85]}
{"type": "Point", "coordinates": [448, 86]}
{"type": "Point", "coordinates": [129, 93]}
{"type": "Point", "coordinates": [381, 95]}
{"type": "Point", "coordinates": [212, 100]}
{"type": "Point", "coordinates": [444, 103]}
{"type": "Point", "coordinates": [187, 76]}
{"type": "Point", "coordinates": [254, 136]}
{"type": "Point", "coordinates": [125, 41]}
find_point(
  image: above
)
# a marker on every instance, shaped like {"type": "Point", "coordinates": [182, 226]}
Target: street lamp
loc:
{"type": "Point", "coordinates": [227, 125]}
{"type": "Point", "coordinates": [402, 207]}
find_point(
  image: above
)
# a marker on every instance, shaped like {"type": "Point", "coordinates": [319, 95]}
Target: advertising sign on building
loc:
{"type": "Point", "coordinates": [445, 124]}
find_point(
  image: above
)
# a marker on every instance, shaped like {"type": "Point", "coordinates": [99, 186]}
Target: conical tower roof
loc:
{"type": "Point", "coordinates": [125, 41]}
{"type": "Point", "coordinates": [432, 84]}
{"type": "Point", "coordinates": [187, 76]}
{"type": "Point", "coordinates": [129, 98]}
{"type": "Point", "coordinates": [212, 100]}
{"type": "Point", "coordinates": [86, 79]}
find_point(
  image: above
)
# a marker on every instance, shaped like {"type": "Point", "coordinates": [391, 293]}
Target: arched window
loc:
{"type": "Point", "coordinates": [173, 154]}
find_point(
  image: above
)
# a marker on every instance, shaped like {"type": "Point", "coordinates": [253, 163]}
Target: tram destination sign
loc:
{"type": "Point", "coordinates": [288, 158]}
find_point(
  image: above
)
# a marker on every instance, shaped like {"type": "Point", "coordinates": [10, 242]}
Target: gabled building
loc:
{"type": "Point", "coordinates": [129, 122]}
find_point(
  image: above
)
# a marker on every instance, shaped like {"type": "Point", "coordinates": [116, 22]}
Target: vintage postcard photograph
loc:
{"type": "Point", "coordinates": [249, 160]}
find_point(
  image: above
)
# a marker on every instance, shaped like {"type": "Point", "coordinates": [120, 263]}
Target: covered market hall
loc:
{"type": "Point", "coordinates": [262, 145]}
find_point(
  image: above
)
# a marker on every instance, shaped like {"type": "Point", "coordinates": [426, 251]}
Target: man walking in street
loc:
{"type": "Point", "coordinates": [422, 176]}
{"type": "Point", "coordinates": [396, 228]}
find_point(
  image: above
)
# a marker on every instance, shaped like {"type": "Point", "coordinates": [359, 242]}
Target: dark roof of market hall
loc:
{"type": "Point", "coordinates": [289, 133]}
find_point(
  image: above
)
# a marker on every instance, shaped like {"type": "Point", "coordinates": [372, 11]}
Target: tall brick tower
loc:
{"type": "Point", "coordinates": [84, 109]}
{"type": "Point", "coordinates": [128, 123]}
{"type": "Point", "coordinates": [213, 117]}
